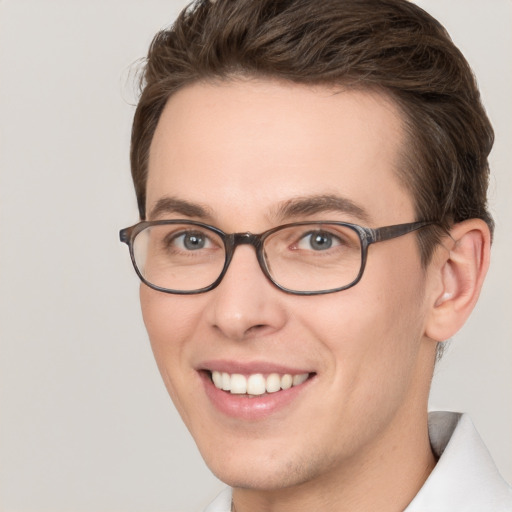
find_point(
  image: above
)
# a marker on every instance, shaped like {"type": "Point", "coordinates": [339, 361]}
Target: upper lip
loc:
{"type": "Point", "coordinates": [248, 368]}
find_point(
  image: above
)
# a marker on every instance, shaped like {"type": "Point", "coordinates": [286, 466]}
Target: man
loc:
{"type": "Point", "coordinates": [311, 180]}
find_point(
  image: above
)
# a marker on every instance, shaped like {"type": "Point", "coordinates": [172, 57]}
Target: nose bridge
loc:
{"type": "Point", "coordinates": [247, 238]}
{"type": "Point", "coordinates": [243, 305]}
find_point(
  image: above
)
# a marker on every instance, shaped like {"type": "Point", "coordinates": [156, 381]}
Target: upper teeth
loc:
{"type": "Point", "coordinates": [257, 383]}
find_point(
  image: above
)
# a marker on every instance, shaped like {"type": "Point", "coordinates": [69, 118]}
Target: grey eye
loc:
{"type": "Point", "coordinates": [317, 240]}
{"type": "Point", "coordinates": [192, 241]}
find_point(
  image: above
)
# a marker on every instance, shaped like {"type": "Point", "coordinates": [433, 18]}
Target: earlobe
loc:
{"type": "Point", "coordinates": [460, 273]}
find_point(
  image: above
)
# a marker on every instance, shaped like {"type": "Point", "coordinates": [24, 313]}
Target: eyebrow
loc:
{"type": "Point", "coordinates": [310, 205]}
{"type": "Point", "coordinates": [167, 205]}
{"type": "Point", "coordinates": [291, 208]}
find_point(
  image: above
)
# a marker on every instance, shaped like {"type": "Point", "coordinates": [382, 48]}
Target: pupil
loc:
{"type": "Point", "coordinates": [321, 241]}
{"type": "Point", "coordinates": [194, 242]}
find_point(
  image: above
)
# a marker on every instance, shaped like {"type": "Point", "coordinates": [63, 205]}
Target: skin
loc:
{"type": "Point", "coordinates": [355, 437]}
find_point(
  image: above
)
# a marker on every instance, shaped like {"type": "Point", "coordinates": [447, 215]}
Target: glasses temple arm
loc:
{"type": "Point", "coordinates": [389, 232]}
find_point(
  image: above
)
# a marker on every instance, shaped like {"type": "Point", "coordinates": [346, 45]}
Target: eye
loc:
{"type": "Point", "coordinates": [318, 241]}
{"type": "Point", "coordinates": [191, 241]}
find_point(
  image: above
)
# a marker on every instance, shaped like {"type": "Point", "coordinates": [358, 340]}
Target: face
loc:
{"type": "Point", "coordinates": [236, 155]}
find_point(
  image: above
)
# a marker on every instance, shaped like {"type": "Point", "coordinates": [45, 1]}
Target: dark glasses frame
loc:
{"type": "Point", "coordinates": [231, 241]}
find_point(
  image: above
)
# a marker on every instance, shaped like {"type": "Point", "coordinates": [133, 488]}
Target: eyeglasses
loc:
{"type": "Point", "coordinates": [302, 258]}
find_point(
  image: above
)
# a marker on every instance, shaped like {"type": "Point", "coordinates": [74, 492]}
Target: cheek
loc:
{"type": "Point", "coordinates": [168, 318]}
{"type": "Point", "coordinates": [373, 331]}
{"type": "Point", "coordinates": [169, 323]}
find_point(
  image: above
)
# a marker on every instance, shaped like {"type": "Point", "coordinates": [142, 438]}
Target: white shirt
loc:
{"type": "Point", "coordinates": [465, 478]}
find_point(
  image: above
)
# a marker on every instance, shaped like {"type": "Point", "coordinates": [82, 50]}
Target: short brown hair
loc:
{"type": "Point", "coordinates": [391, 45]}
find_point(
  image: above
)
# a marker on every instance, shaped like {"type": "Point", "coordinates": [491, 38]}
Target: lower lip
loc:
{"type": "Point", "coordinates": [251, 408]}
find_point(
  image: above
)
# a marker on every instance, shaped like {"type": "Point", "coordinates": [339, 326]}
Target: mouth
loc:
{"type": "Point", "coordinates": [256, 384]}
{"type": "Point", "coordinates": [254, 391]}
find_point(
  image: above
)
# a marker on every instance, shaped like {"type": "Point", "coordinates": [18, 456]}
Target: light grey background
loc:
{"type": "Point", "coordinates": [86, 424]}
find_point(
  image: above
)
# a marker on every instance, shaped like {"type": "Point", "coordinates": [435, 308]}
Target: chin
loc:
{"type": "Point", "coordinates": [264, 472]}
{"type": "Point", "coordinates": [260, 479]}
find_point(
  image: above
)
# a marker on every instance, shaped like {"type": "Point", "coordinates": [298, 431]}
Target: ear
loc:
{"type": "Point", "coordinates": [457, 275]}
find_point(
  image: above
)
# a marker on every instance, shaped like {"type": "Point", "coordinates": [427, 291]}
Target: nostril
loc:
{"type": "Point", "coordinates": [258, 327]}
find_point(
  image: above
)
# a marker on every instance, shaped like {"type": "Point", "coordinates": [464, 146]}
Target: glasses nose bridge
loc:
{"type": "Point", "coordinates": [247, 238]}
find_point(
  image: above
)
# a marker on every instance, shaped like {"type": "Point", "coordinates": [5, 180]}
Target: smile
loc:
{"type": "Point", "coordinates": [256, 384]}
{"type": "Point", "coordinates": [254, 391]}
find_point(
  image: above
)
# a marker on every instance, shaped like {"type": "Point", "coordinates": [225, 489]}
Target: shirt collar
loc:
{"type": "Point", "coordinates": [465, 476]}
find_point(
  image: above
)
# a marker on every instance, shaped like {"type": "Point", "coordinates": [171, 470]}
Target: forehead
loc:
{"type": "Point", "coordinates": [256, 144]}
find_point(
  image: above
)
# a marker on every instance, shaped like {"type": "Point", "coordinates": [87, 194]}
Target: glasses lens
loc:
{"type": "Point", "coordinates": [181, 257]}
{"type": "Point", "coordinates": [314, 257]}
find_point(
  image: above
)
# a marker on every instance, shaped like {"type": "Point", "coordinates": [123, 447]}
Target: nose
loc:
{"type": "Point", "coordinates": [246, 304]}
